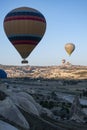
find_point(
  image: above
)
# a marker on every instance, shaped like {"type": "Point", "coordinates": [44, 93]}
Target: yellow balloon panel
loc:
{"type": "Point", "coordinates": [24, 27]}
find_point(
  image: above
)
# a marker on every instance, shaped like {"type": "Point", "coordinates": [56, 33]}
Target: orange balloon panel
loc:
{"type": "Point", "coordinates": [25, 28]}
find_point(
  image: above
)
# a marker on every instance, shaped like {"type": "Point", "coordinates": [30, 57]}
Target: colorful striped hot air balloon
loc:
{"type": "Point", "coordinates": [24, 28]}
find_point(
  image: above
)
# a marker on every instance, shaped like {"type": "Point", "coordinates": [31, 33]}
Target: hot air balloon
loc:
{"type": "Point", "coordinates": [3, 74]}
{"type": "Point", "coordinates": [63, 61]}
{"type": "Point", "coordinates": [24, 28]}
{"type": "Point", "coordinates": [69, 47]}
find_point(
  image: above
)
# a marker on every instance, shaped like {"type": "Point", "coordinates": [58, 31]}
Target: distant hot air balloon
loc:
{"type": "Point", "coordinates": [24, 28]}
{"type": "Point", "coordinates": [69, 47]}
{"type": "Point", "coordinates": [63, 61]}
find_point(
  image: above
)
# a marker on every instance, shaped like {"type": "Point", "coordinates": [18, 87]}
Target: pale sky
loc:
{"type": "Point", "coordinates": [66, 22]}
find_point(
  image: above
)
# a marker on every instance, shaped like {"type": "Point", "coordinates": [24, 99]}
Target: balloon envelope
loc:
{"type": "Point", "coordinates": [24, 28]}
{"type": "Point", "coordinates": [69, 47]}
{"type": "Point", "coordinates": [3, 74]}
{"type": "Point", "coordinates": [63, 61]}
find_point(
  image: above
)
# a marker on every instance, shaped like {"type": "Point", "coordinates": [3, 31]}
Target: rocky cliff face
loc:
{"type": "Point", "coordinates": [76, 112]}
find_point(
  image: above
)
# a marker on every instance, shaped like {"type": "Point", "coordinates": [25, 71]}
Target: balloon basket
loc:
{"type": "Point", "coordinates": [24, 62]}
